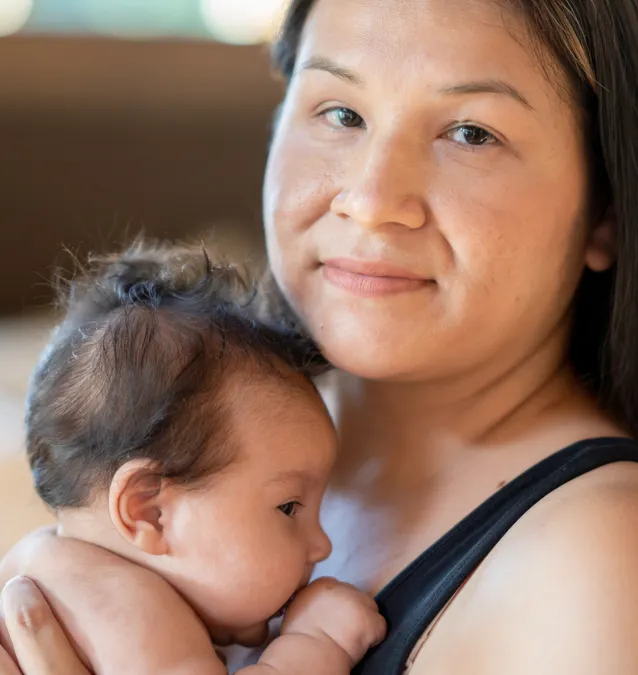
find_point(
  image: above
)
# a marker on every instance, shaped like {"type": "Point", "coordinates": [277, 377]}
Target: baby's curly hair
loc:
{"type": "Point", "coordinates": [140, 368]}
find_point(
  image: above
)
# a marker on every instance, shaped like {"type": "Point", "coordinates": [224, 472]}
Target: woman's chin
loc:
{"type": "Point", "coordinates": [374, 352]}
{"type": "Point", "coordinates": [369, 363]}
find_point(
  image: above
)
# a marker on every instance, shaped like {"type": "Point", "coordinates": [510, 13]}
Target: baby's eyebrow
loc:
{"type": "Point", "coordinates": [293, 474]}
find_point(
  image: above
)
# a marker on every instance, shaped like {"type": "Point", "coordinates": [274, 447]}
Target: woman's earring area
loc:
{"type": "Point", "coordinates": [602, 248]}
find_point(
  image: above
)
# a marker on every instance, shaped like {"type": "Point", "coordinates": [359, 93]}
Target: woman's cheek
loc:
{"type": "Point", "coordinates": [309, 179]}
{"type": "Point", "coordinates": [300, 186]}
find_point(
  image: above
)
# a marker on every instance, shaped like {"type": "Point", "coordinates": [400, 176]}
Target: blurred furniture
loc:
{"type": "Point", "coordinates": [98, 136]}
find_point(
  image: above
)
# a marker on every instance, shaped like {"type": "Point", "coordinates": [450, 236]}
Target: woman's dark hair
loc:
{"type": "Point", "coordinates": [155, 342]}
{"type": "Point", "coordinates": [596, 43]}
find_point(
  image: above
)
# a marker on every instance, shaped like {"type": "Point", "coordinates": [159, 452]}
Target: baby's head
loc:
{"type": "Point", "coordinates": [170, 424]}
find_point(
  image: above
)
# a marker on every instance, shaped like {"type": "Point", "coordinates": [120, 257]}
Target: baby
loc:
{"type": "Point", "coordinates": [170, 427]}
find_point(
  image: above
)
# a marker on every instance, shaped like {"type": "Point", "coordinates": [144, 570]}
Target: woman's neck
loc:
{"type": "Point", "coordinates": [417, 457]}
{"type": "Point", "coordinates": [425, 427]}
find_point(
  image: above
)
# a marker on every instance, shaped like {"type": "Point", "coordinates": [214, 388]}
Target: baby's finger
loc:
{"type": "Point", "coordinates": [380, 630]}
{"type": "Point", "coordinates": [41, 646]}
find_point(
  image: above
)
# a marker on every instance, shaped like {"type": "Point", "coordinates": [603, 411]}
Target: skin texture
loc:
{"type": "Point", "coordinates": [453, 388]}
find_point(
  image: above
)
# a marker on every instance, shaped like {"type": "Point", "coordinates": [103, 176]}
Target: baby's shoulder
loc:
{"type": "Point", "coordinates": [77, 568]}
{"type": "Point", "coordinates": [121, 617]}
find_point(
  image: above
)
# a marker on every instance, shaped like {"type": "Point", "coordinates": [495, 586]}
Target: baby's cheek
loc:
{"type": "Point", "coordinates": [283, 562]}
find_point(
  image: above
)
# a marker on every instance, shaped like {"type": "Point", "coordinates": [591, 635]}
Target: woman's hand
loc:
{"type": "Point", "coordinates": [38, 639]}
{"type": "Point", "coordinates": [7, 666]}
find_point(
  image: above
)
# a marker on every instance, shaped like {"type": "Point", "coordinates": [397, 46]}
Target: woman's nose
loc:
{"type": "Point", "coordinates": [320, 546]}
{"type": "Point", "coordinates": [384, 186]}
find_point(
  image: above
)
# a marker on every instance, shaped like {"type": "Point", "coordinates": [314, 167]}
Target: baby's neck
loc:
{"type": "Point", "coordinates": [93, 525]}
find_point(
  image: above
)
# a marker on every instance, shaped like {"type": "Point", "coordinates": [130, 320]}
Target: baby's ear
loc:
{"type": "Point", "coordinates": [135, 506]}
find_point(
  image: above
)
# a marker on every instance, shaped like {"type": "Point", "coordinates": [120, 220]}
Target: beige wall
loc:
{"type": "Point", "coordinates": [20, 509]}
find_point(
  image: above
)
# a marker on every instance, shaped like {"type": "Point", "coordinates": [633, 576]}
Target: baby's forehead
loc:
{"type": "Point", "coordinates": [269, 392]}
{"type": "Point", "coordinates": [281, 425]}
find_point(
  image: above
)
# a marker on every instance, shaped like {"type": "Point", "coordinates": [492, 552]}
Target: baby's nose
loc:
{"type": "Point", "coordinates": [320, 547]}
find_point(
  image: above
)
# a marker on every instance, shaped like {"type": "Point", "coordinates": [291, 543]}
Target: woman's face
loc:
{"type": "Point", "coordinates": [426, 189]}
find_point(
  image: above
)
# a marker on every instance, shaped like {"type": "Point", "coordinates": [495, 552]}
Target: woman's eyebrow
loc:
{"type": "Point", "coordinates": [475, 87]}
{"type": "Point", "coordinates": [487, 87]}
{"type": "Point", "coordinates": [330, 66]}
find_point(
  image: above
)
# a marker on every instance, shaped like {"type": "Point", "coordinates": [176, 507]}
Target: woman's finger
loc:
{"type": "Point", "coordinates": [7, 666]}
{"type": "Point", "coordinates": [40, 644]}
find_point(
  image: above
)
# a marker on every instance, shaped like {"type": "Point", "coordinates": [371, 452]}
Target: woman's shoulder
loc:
{"type": "Point", "coordinates": [600, 507]}
{"type": "Point", "coordinates": [559, 593]}
{"type": "Point", "coordinates": [578, 529]}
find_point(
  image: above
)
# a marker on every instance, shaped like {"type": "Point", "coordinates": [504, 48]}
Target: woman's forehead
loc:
{"type": "Point", "coordinates": [425, 46]}
{"type": "Point", "coordinates": [411, 34]}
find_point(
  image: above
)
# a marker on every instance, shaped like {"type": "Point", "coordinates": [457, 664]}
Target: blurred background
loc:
{"type": "Point", "coordinates": [118, 116]}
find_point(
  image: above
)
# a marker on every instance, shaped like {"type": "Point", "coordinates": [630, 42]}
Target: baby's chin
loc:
{"type": "Point", "coordinates": [254, 636]}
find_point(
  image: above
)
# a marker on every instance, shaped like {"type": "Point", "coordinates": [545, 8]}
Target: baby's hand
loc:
{"type": "Point", "coordinates": [330, 609]}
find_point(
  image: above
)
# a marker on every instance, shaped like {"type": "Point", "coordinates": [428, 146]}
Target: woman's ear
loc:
{"type": "Point", "coordinates": [135, 506]}
{"type": "Point", "coordinates": [601, 251]}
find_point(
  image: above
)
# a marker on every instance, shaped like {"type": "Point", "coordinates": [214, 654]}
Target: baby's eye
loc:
{"type": "Point", "coordinates": [289, 508]}
{"type": "Point", "coordinates": [343, 117]}
{"type": "Point", "coordinates": [469, 134]}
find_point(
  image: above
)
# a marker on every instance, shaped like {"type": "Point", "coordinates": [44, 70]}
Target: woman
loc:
{"type": "Point", "coordinates": [449, 208]}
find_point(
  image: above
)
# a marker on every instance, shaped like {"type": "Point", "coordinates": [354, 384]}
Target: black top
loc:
{"type": "Point", "coordinates": [414, 598]}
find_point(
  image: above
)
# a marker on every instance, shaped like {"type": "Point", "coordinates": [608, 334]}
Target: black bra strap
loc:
{"type": "Point", "coordinates": [413, 599]}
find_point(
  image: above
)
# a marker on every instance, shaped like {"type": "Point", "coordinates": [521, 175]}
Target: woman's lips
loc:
{"type": "Point", "coordinates": [371, 279]}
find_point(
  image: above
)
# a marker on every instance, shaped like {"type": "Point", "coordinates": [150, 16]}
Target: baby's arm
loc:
{"type": "Point", "coordinates": [326, 631]}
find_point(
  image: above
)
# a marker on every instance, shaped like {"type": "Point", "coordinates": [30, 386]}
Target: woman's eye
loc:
{"type": "Point", "coordinates": [468, 134]}
{"type": "Point", "coordinates": [343, 117]}
{"type": "Point", "coordinates": [289, 508]}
